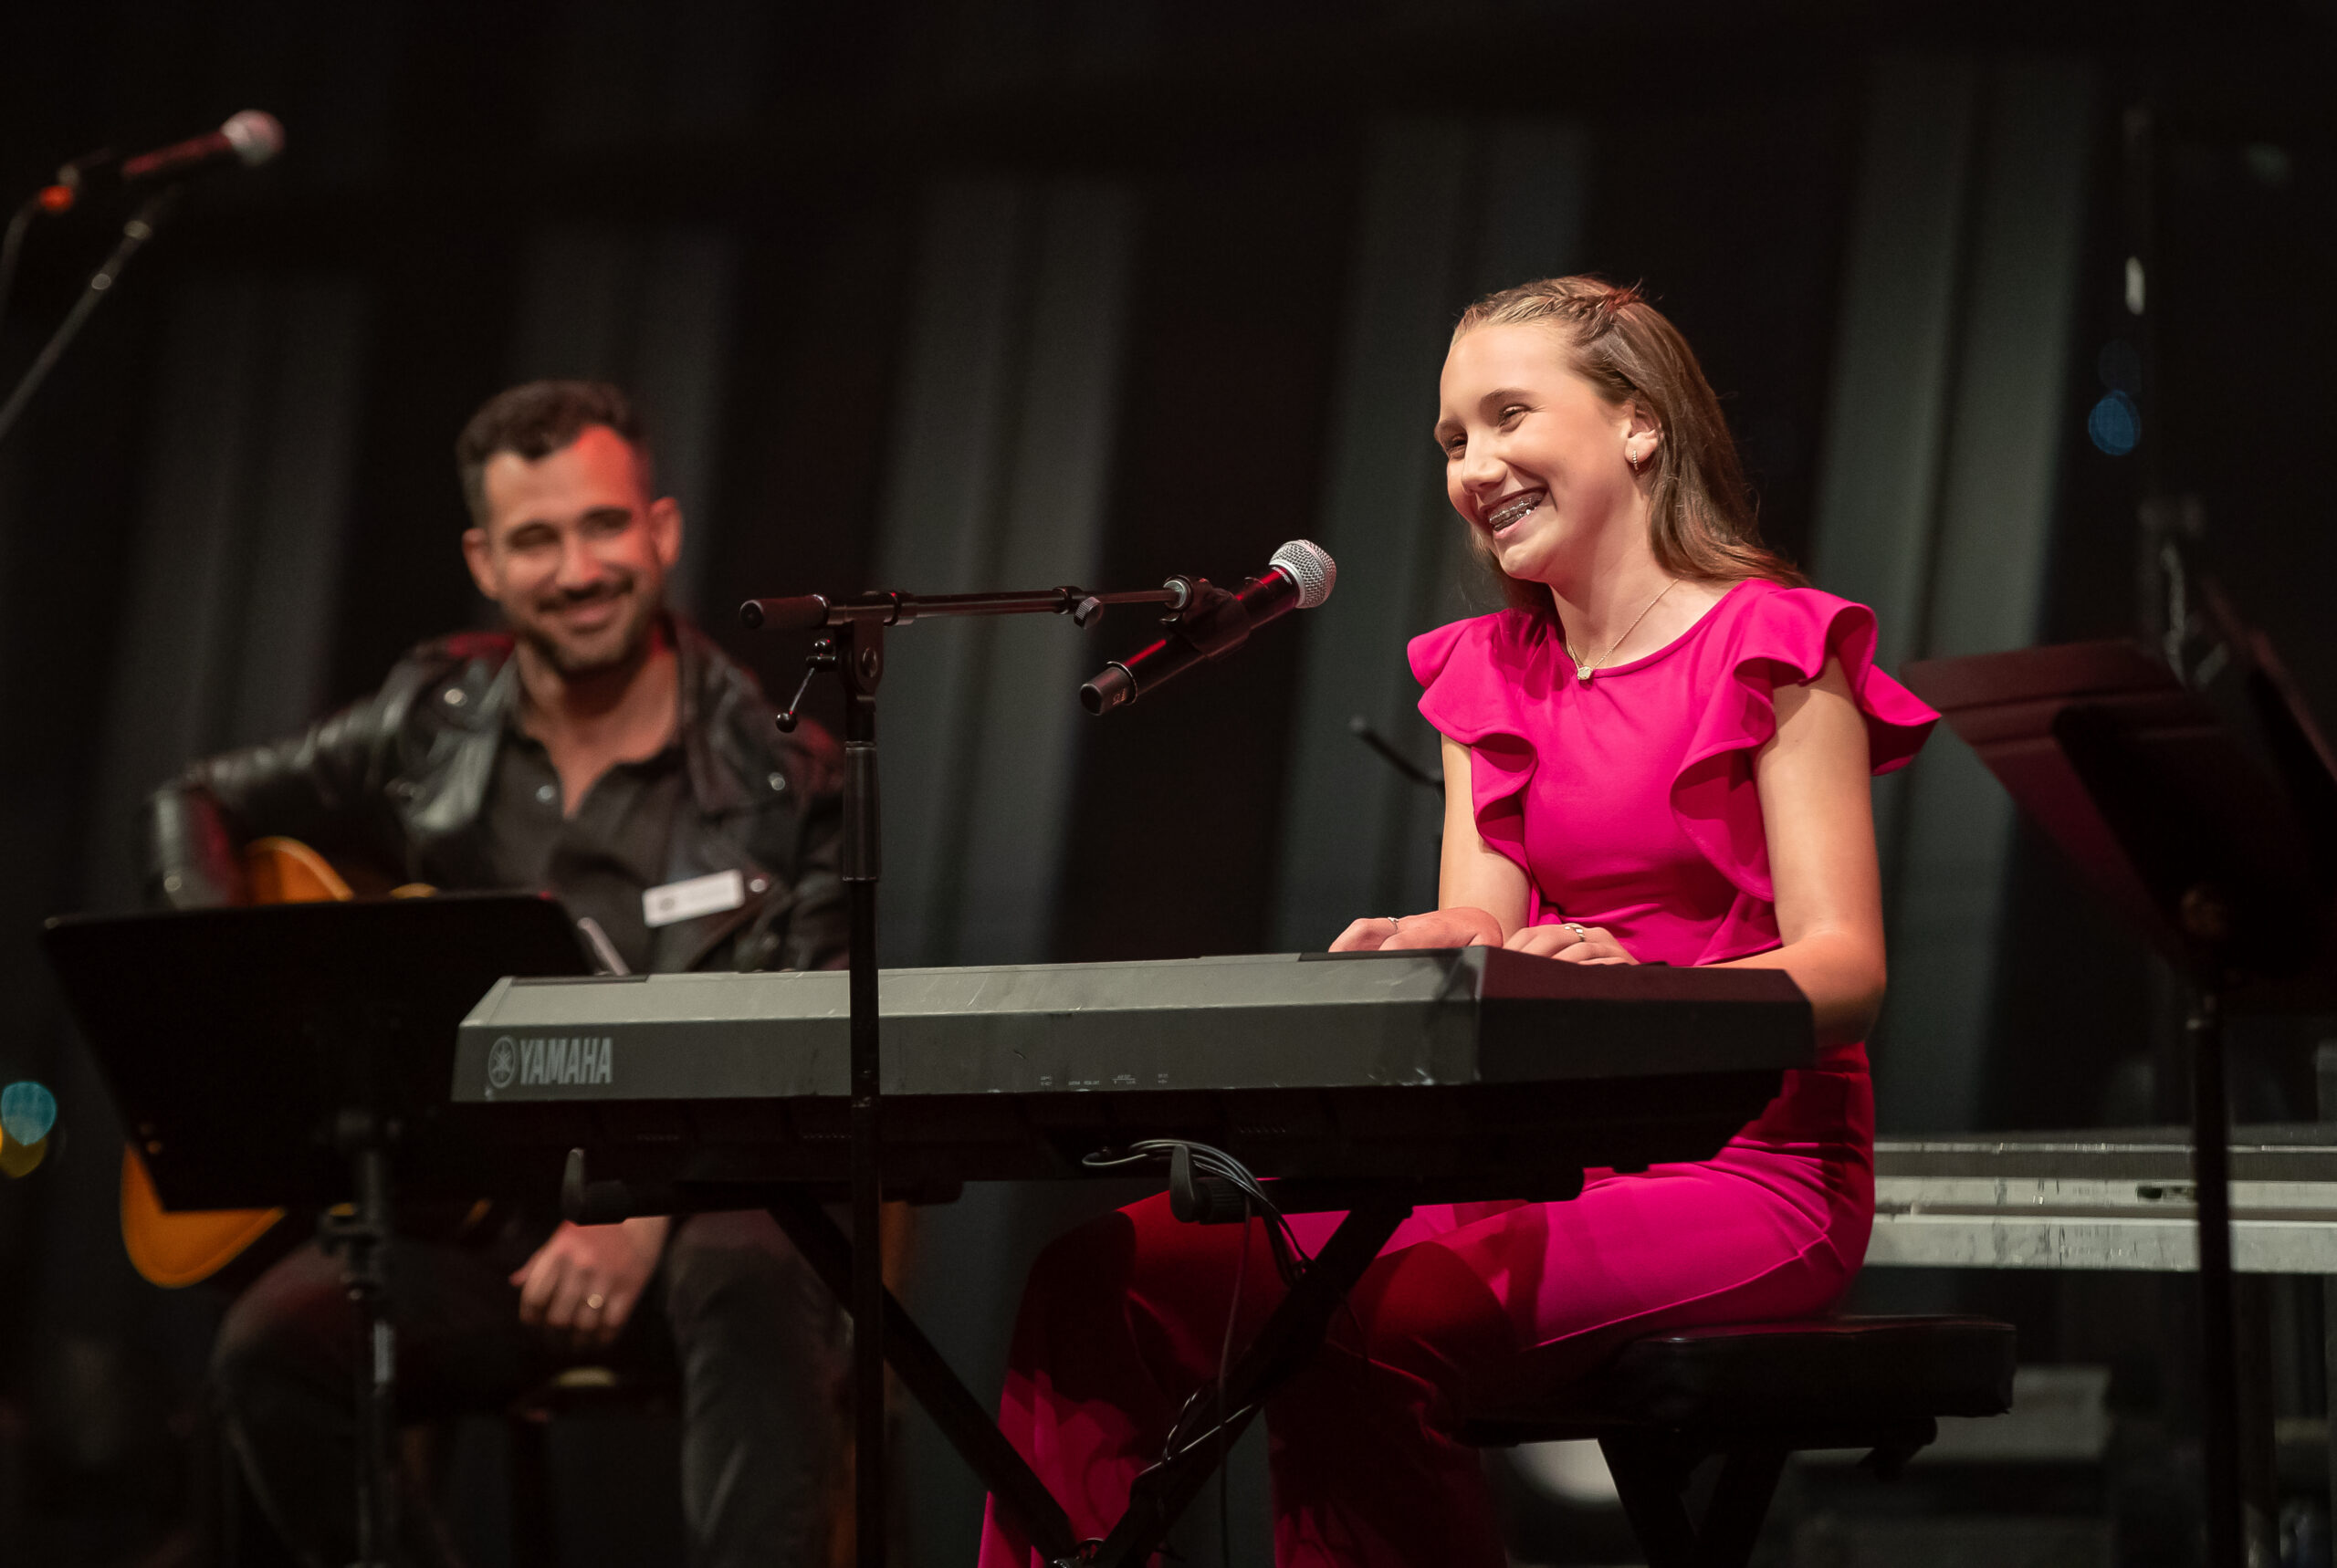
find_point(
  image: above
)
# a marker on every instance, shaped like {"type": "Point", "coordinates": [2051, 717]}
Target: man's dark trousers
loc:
{"type": "Point", "coordinates": [755, 1338]}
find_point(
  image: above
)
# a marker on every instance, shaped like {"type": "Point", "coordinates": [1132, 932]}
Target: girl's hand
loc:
{"type": "Point", "coordinates": [1437, 928]}
{"type": "Point", "coordinates": [1570, 943]}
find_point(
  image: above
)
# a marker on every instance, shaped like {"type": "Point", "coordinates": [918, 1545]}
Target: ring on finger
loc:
{"type": "Point", "coordinates": [1582, 932]}
{"type": "Point", "coordinates": [1394, 924]}
{"type": "Point", "coordinates": [595, 1302]}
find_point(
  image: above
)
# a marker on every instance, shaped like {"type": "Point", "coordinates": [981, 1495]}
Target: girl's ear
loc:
{"type": "Point", "coordinates": [1641, 435]}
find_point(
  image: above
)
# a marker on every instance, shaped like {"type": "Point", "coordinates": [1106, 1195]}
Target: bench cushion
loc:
{"type": "Point", "coordinates": [1825, 1372]}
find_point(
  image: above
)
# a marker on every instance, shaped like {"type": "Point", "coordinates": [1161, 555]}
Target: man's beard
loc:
{"type": "Point", "coordinates": [613, 648]}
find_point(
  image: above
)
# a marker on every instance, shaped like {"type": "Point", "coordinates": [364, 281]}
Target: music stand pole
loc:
{"type": "Point", "coordinates": [2228, 1526]}
{"type": "Point", "coordinates": [362, 1239]}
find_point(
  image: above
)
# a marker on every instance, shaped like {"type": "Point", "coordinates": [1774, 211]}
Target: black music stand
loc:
{"type": "Point", "coordinates": [298, 1055]}
{"type": "Point", "coordinates": [2222, 865]}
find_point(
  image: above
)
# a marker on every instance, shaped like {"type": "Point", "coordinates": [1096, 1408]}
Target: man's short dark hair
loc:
{"type": "Point", "coordinates": [535, 420]}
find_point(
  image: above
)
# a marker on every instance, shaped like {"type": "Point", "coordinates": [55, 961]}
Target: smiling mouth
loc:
{"type": "Point", "coordinates": [589, 605]}
{"type": "Point", "coordinates": [1513, 509]}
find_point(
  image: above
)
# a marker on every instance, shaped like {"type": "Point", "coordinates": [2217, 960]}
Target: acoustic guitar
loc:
{"type": "Point", "coordinates": [184, 1248]}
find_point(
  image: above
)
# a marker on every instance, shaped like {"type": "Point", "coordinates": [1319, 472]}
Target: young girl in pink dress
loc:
{"type": "Point", "coordinates": [1658, 753]}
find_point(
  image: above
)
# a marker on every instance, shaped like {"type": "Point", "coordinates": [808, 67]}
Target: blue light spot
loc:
{"type": "Point", "coordinates": [27, 1111]}
{"type": "Point", "coordinates": [2115, 425]}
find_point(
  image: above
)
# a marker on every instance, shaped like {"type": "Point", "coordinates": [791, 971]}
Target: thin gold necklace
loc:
{"type": "Point", "coordinates": [1585, 668]}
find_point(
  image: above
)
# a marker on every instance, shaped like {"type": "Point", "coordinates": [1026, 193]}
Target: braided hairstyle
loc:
{"type": "Point", "coordinates": [1700, 520]}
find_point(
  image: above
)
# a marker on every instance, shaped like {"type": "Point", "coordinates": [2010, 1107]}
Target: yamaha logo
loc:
{"type": "Point", "coordinates": [563, 1058]}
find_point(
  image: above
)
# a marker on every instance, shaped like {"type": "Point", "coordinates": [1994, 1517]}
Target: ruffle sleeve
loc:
{"type": "Point", "coordinates": [1781, 637]}
{"type": "Point", "coordinates": [1488, 682]}
{"type": "Point", "coordinates": [1482, 680]}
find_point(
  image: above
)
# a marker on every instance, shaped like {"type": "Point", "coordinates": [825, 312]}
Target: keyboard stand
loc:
{"type": "Point", "coordinates": [929, 1379]}
{"type": "Point", "coordinates": [1290, 1337]}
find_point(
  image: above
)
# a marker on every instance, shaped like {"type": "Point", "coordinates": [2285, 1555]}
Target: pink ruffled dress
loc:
{"type": "Point", "coordinates": [1630, 803]}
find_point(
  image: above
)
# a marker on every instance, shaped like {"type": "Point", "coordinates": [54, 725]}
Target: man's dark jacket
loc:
{"type": "Point", "coordinates": [400, 780]}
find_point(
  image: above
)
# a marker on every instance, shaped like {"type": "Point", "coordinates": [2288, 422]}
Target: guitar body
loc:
{"type": "Point", "coordinates": [285, 871]}
{"type": "Point", "coordinates": [186, 1248]}
{"type": "Point", "coordinates": [175, 1250]}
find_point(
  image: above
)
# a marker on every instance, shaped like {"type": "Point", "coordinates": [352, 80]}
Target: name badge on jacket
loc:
{"type": "Point", "coordinates": [725, 890]}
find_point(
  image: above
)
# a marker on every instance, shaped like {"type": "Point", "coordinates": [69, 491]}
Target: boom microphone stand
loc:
{"type": "Point", "coordinates": [135, 235]}
{"type": "Point", "coordinates": [852, 646]}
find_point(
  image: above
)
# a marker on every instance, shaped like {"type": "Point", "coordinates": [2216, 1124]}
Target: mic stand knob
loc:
{"type": "Point", "coordinates": [822, 657]}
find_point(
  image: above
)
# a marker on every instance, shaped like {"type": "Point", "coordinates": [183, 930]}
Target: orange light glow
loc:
{"type": "Point", "coordinates": [20, 1160]}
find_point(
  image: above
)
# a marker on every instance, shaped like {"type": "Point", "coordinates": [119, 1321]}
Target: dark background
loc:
{"type": "Point", "coordinates": [436, 150]}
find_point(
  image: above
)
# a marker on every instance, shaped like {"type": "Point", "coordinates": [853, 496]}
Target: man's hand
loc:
{"type": "Point", "coordinates": [582, 1285]}
{"type": "Point", "coordinates": [1458, 927]}
{"type": "Point", "coordinates": [1570, 943]}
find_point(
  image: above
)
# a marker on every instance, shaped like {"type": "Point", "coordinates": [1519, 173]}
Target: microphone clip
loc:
{"type": "Point", "coordinates": [1211, 620]}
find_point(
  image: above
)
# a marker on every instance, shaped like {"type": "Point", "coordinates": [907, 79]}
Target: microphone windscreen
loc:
{"type": "Point", "coordinates": [255, 135]}
{"type": "Point", "coordinates": [1310, 566]}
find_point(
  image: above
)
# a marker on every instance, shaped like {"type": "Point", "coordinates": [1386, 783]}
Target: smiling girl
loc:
{"type": "Point", "coordinates": [1660, 752]}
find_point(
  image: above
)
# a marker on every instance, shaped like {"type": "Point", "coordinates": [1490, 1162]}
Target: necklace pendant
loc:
{"type": "Point", "coordinates": [1582, 673]}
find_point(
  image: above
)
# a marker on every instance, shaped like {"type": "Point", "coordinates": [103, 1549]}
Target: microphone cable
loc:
{"type": "Point", "coordinates": [1290, 1258]}
{"type": "Point", "coordinates": [1215, 1163]}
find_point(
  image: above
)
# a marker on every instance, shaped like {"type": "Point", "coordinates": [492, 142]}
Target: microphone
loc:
{"type": "Point", "coordinates": [1300, 577]}
{"type": "Point", "coordinates": [250, 139]}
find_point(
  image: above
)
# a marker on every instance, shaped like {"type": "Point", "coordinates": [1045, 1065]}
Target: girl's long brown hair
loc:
{"type": "Point", "coordinates": [1700, 521]}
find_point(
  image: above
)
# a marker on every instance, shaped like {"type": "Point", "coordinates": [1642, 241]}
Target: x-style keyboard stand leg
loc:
{"type": "Point", "coordinates": [1292, 1333]}
{"type": "Point", "coordinates": [971, 1429]}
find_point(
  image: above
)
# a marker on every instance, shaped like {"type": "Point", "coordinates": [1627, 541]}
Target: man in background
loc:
{"type": "Point", "coordinates": [604, 750]}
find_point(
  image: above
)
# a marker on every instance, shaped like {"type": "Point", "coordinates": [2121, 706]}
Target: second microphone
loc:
{"type": "Point", "coordinates": [1300, 577]}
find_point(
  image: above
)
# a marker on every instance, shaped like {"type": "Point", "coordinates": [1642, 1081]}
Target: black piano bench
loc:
{"type": "Point", "coordinates": [1751, 1394]}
